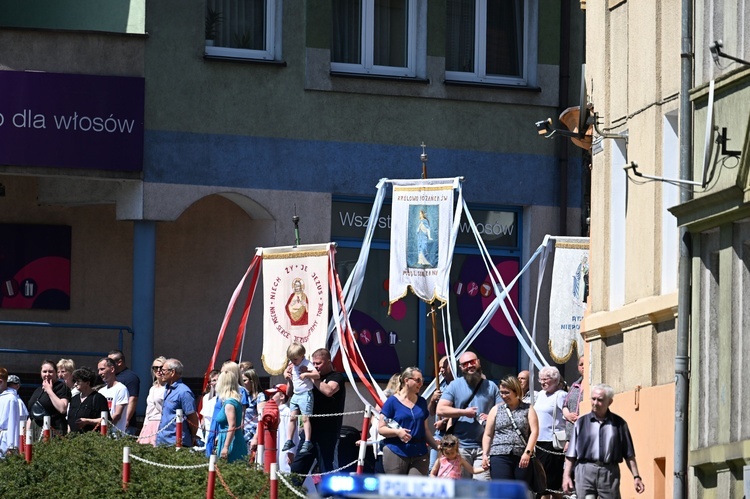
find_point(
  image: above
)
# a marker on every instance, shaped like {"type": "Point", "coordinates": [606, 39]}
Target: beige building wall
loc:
{"type": "Point", "coordinates": [632, 73]}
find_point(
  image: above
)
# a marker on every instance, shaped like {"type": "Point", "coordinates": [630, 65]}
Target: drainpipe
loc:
{"type": "Point", "coordinates": [563, 86]}
{"type": "Point", "coordinates": [682, 357]}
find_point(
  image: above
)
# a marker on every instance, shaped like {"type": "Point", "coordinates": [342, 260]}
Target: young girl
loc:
{"type": "Point", "coordinates": [449, 462]}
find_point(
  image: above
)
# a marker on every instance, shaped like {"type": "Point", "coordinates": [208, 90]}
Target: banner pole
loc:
{"type": "Point", "coordinates": [423, 159]}
{"type": "Point", "coordinates": [295, 220]}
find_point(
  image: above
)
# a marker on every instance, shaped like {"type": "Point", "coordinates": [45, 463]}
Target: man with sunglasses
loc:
{"type": "Point", "coordinates": [468, 400]}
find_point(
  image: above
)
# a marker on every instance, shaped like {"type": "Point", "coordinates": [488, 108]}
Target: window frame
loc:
{"type": "Point", "coordinates": [528, 61]}
{"type": "Point", "coordinates": [272, 42]}
{"type": "Point", "coordinates": [416, 41]}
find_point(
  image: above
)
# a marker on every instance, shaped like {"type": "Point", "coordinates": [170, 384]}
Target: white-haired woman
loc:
{"type": "Point", "coordinates": [549, 409]}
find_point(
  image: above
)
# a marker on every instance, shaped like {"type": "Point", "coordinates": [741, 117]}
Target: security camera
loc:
{"type": "Point", "coordinates": [543, 127]}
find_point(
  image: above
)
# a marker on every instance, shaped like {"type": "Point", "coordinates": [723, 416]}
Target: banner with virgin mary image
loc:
{"type": "Point", "coordinates": [421, 247]}
{"type": "Point", "coordinates": [567, 303]}
{"type": "Point", "coordinates": [295, 301]}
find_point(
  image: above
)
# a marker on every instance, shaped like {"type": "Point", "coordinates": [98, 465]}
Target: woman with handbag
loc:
{"type": "Point", "coordinates": [50, 399]}
{"type": "Point", "coordinates": [405, 427]}
{"type": "Point", "coordinates": [548, 406]}
{"type": "Point", "coordinates": [510, 436]}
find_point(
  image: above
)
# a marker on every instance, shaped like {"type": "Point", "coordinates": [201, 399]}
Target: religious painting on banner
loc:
{"type": "Point", "coordinates": [570, 290]}
{"type": "Point", "coordinates": [421, 245]}
{"type": "Point", "coordinates": [295, 301]}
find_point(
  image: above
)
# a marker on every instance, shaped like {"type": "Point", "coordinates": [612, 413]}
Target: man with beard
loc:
{"type": "Point", "coordinates": [468, 400]}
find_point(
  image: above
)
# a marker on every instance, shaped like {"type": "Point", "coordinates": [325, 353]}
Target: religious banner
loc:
{"type": "Point", "coordinates": [295, 301]}
{"type": "Point", "coordinates": [570, 290]}
{"type": "Point", "coordinates": [421, 238]}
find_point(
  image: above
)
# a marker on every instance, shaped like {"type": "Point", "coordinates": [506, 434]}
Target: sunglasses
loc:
{"type": "Point", "coordinates": [418, 380]}
{"type": "Point", "coordinates": [469, 363]}
{"type": "Point", "coordinates": [156, 369]}
{"type": "Point", "coordinates": [447, 445]}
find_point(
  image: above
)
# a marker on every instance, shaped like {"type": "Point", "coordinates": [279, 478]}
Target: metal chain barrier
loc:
{"type": "Point", "coordinates": [289, 485]}
{"type": "Point", "coordinates": [170, 466]}
{"type": "Point", "coordinates": [332, 471]}
{"type": "Point", "coordinates": [111, 426]}
{"type": "Point", "coordinates": [554, 453]}
{"type": "Point", "coordinates": [223, 483]}
{"type": "Point", "coordinates": [334, 414]}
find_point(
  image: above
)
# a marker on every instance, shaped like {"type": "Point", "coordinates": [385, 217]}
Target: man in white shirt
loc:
{"type": "Point", "coordinates": [14, 382]}
{"type": "Point", "coordinates": [9, 415]}
{"type": "Point", "coordinates": [115, 392]}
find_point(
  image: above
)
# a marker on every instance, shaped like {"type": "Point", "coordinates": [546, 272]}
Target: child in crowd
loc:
{"type": "Point", "coordinates": [301, 373]}
{"type": "Point", "coordinates": [449, 462]}
{"type": "Point", "coordinates": [285, 458]}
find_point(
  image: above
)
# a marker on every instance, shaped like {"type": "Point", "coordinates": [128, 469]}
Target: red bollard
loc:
{"type": "Point", "coordinates": [271, 422]}
{"type": "Point", "coordinates": [178, 430]}
{"type": "Point", "coordinates": [363, 440]}
{"type": "Point", "coordinates": [274, 493]}
{"type": "Point", "coordinates": [21, 437]}
{"type": "Point", "coordinates": [125, 467]}
{"type": "Point", "coordinates": [27, 448]}
{"type": "Point", "coordinates": [103, 424]}
{"type": "Point", "coordinates": [46, 428]}
{"type": "Point", "coordinates": [211, 477]}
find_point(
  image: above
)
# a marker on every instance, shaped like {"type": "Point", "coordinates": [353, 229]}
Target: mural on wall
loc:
{"type": "Point", "coordinates": [35, 266]}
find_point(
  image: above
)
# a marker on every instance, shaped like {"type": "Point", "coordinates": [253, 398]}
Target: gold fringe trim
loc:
{"type": "Point", "coordinates": [295, 254]}
{"type": "Point", "coordinates": [424, 188]}
{"type": "Point", "coordinates": [268, 369]}
{"type": "Point", "coordinates": [572, 245]}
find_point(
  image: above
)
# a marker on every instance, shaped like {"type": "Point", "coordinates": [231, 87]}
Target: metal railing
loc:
{"type": "Point", "coordinates": [121, 330]}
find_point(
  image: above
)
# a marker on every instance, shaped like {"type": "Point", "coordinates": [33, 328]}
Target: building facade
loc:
{"type": "Point", "coordinates": [633, 82]}
{"type": "Point", "coordinates": [716, 218]}
{"type": "Point", "coordinates": [253, 112]}
{"type": "Point", "coordinates": [634, 54]}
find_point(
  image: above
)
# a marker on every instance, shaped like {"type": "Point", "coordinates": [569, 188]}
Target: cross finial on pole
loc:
{"type": "Point", "coordinates": [423, 158]}
{"type": "Point", "coordinates": [295, 220]}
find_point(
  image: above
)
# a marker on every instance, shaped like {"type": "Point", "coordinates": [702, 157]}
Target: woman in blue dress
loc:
{"type": "Point", "coordinates": [230, 443]}
{"type": "Point", "coordinates": [405, 428]}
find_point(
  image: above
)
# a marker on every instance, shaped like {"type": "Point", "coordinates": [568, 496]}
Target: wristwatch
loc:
{"type": "Point", "coordinates": [527, 451]}
{"type": "Point", "coordinates": [637, 477]}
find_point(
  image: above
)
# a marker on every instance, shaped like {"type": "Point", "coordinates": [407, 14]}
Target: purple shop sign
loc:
{"type": "Point", "coordinates": [71, 121]}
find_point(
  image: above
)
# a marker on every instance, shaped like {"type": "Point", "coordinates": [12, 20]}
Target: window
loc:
{"type": "Point", "coordinates": [377, 37]}
{"type": "Point", "coordinates": [490, 41]}
{"type": "Point", "coordinates": [245, 29]}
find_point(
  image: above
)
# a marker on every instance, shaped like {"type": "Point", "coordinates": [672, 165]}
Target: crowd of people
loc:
{"type": "Point", "coordinates": [470, 427]}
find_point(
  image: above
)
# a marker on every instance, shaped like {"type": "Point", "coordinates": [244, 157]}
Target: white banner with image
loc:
{"type": "Point", "coordinates": [422, 238]}
{"type": "Point", "coordinates": [570, 285]}
{"type": "Point", "coordinates": [295, 301]}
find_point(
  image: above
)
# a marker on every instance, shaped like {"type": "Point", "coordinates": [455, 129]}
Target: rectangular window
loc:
{"type": "Point", "coordinates": [488, 41]}
{"type": "Point", "coordinates": [376, 37]}
{"type": "Point", "coordinates": [244, 29]}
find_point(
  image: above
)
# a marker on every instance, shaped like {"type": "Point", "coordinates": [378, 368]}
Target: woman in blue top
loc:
{"type": "Point", "coordinates": [230, 442]}
{"type": "Point", "coordinates": [405, 429]}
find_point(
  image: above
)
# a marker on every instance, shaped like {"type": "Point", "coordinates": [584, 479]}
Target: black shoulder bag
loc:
{"type": "Point", "coordinates": [539, 476]}
{"type": "Point", "coordinates": [452, 423]}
